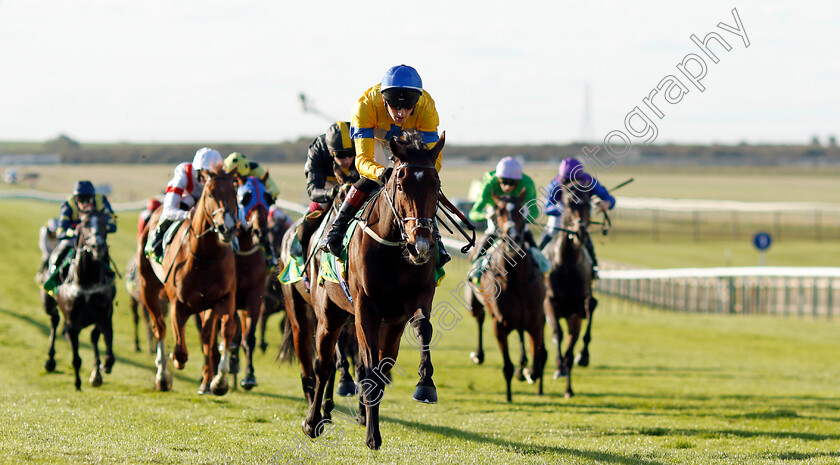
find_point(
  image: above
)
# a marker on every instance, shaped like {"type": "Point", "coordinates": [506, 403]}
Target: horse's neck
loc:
{"type": "Point", "coordinates": [86, 270]}
{"type": "Point", "coordinates": [207, 245]}
{"type": "Point", "coordinates": [381, 219]}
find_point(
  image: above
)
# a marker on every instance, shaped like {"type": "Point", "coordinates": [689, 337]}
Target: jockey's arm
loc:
{"type": "Point", "coordinates": [112, 217]}
{"type": "Point", "coordinates": [602, 193]}
{"type": "Point", "coordinates": [66, 228]}
{"type": "Point", "coordinates": [174, 195]}
{"type": "Point", "coordinates": [484, 201]}
{"type": "Point", "coordinates": [554, 201]}
{"type": "Point", "coordinates": [529, 200]}
{"type": "Point", "coordinates": [261, 173]}
{"type": "Point", "coordinates": [316, 179]}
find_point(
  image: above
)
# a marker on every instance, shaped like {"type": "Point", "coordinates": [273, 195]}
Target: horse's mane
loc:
{"type": "Point", "coordinates": [415, 148]}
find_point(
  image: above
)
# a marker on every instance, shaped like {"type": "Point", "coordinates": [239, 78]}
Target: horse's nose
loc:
{"type": "Point", "coordinates": [421, 245]}
{"type": "Point", "coordinates": [229, 222]}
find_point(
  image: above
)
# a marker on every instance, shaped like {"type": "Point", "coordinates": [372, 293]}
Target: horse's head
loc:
{"type": "Point", "coordinates": [577, 205]}
{"type": "Point", "coordinates": [253, 203]}
{"type": "Point", "coordinates": [508, 216]}
{"type": "Point", "coordinates": [219, 205]}
{"type": "Point", "coordinates": [91, 234]}
{"type": "Point", "coordinates": [413, 191]}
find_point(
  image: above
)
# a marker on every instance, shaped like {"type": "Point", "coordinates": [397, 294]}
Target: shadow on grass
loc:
{"type": "Point", "coordinates": [716, 434]}
{"type": "Point", "coordinates": [518, 447]}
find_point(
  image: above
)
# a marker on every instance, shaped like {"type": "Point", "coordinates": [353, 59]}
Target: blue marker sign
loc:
{"type": "Point", "coordinates": [762, 241]}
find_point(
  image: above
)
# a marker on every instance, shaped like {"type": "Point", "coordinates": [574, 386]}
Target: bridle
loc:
{"type": "Point", "coordinates": [419, 223]}
{"type": "Point", "coordinates": [209, 217]}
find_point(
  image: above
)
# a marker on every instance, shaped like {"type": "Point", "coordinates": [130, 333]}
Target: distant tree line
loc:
{"type": "Point", "coordinates": [73, 151]}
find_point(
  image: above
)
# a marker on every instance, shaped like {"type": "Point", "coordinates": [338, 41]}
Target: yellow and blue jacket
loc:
{"type": "Point", "coordinates": [68, 217]}
{"type": "Point", "coordinates": [371, 123]}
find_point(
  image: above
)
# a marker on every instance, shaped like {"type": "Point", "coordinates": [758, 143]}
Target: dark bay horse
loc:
{"type": "Point", "coordinates": [198, 274]}
{"type": "Point", "coordinates": [512, 289]}
{"type": "Point", "coordinates": [251, 268]}
{"type": "Point", "coordinates": [569, 283]}
{"type": "Point", "coordinates": [390, 272]}
{"type": "Point", "coordinates": [301, 323]}
{"type": "Point", "coordinates": [86, 297]}
{"type": "Point", "coordinates": [273, 302]}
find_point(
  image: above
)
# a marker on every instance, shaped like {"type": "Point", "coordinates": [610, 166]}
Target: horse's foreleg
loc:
{"type": "Point", "coordinates": [55, 319]}
{"type": "Point", "coordinates": [95, 375]}
{"type": "Point", "coordinates": [150, 334]}
{"type": "Point", "coordinates": [583, 357]}
{"type": "Point", "coordinates": [224, 309]}
{"type": "Point", "coordinates": [372, 390]}
{"type": "Point", "coordinates": [132, 304]}
{"type": "Point", "coordinates": [73, 335]}
{"type": "Point", "coordinates": [507, 369]}
{"type": "Point", "coordinates": [425, 391]}
{"type": "Point", "coordinates": [346, 386]}
{"type": "Point", "coordinates": [519, 372]}
{"type": "Point", "coordinates": [178, 314]}
{"type": "Point", "coordinates": [478, 312]}
{"type": "Point", "coordinates": [249, 339]}
{"type": "Point", "coordinates": [535, 374]}
{"type": "Point", "coordinates": [302, 333]}
{"type": "Point", "coordinates": [108, 333]}
{"type": "Point", "coordinates": [557, 336]}
{"type": "Point", "coordinates": [326, 336]}
{"type": "Point", "coordinates": [569, 357]}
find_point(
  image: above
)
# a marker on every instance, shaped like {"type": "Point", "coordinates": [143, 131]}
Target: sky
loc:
{"type": "Point", "coordinates": [205, 71]}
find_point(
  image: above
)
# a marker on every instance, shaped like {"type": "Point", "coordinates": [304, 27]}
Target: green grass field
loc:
{"type": "Point", "coordinates": [663, 388]}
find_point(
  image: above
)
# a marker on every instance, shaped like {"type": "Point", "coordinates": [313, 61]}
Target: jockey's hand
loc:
{"type": "Point", "coordinates": [601, 205]}
{"type": "Point", "coordinates": [385, 174]}
{"type": "Point", "coordinates": [191, 213]}
{"type": "Point", "coordinates": [334, 191]}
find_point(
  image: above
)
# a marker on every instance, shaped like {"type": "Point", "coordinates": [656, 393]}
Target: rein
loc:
{"type": "Point", "coordinates": [420, 223]}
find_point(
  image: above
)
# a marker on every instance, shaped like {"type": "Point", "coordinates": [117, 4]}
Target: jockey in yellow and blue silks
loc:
{"type": "Point", "coordinates": [571, 169]}
{"type": "Point", "coordinates": [506, 179]}
{"type": "Point", "coordinates": [396, 104]}
{"type": "Point", "coordinates": [84, 198]}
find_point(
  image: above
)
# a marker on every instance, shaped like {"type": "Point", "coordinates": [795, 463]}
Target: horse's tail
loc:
{"type": "Point", "coordinates": [287, 354]}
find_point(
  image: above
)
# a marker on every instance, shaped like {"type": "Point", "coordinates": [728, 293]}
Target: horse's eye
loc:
{"type": "Point", "coordinates": [399, 187]}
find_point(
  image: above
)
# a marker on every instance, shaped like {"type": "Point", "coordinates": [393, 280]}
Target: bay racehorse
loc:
{"type": "Point", "coordinates": [390, 271]}
{"type": "Point", "coordinates": [198, 274]}
{"type": "Point", "coordinates": [137, 308]}
{"type": "Point", "coordinates": [86, 297]}
{"type": "Point", "coordinates": [512, 290]}
{"type": "Point", "coordinates": [299, 335]}
{"type": "Point", "coordinates": [251, 268]}
{"type": "Point", "coordinates": [273, 301]}
{"type": "Point", "coordinates": [569, 283]}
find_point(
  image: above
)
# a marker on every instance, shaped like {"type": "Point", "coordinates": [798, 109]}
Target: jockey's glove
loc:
{"type": "Point", "coordinates": [385, 174]}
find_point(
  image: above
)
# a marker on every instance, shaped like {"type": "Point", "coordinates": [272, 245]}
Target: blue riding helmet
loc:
{"type": "Point", "coordinates": [401, 87]}
{"type": "Point", "coordinates": [84, 188]}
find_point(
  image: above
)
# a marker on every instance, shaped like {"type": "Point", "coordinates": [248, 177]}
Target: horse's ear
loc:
{"type": "Point", "coordinates": [397, 150]}
{"type": "Point", "coordinates": [439, 145]}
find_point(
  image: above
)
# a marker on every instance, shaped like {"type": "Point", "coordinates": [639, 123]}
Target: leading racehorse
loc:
{"type": "Point", "coordinates": [198, 274]}
{"type": "Point", "coordinates": [569, 283]}
{"type": "Point", "coordinates": [390, 271]}
{"type": "Point", "coordinates": [86, 297]}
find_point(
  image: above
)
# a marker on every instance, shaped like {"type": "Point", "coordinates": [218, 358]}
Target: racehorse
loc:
{"type": "Point", "coordinates": [512, 290]}
{"type": "Point", "coordinates": [390, 270]}
{"type": "Point", "coordinates": [569, 283]}
{"type": "Point", "coordinates": [300, 322]}
{"type": "Point", "coordinates": [86, 297]}
{"type": "Point", "coordinates": [198, 274]}
{"type": "Point", "coordinates": [251, 268]}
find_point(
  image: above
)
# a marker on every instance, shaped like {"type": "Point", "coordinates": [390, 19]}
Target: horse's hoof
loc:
{"type": "Point", "coordinates": [569, 394]}
{"type": "Point", "coordinates": [560, 373]}
{"type": "Point", "coordinates": [309, 430]}
{"type": "Point", "coordinates": [219, 385]}
{"type": "Point", "coordinates": [477, 358]}
{"type": "Point", "coordinates": [204, 389]}
{"type": "Point", "coordinates": [163, 383]}
{"type": "Point", "coordinates": [50, 365]}
{"type": "Point", "coordinates": [582, 360]}
{"type": "Point", "coordinates": [346, 388]}
{"type": "Point", "coordinates": [263, 346]}
{"type": "Point", "coordinates": [425, 394]}
{"type": "Point", "coordinates": [248, 382]}
{"type": "Point", "coordinates": [96, 378]}
{"type": "Point", "coordinates": [234, 365]}
{"type": "Point", "coordinates": [519, 374]}
{"type": "Point", "coordinates": [108, 366]}
{"type": "Point", "coordinates": [178, 364]}
{"type": "Point", "coordinates": [361, 418]}
{"type": "Point", "coordinates": [528, 375]}
{"type": "Point", "coordinates": [375, 442]}
{"type": "Point", "coordinates": [137, 348]}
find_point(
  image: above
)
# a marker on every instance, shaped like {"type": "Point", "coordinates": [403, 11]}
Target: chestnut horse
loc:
{"type": "Point", "coordinates": [511, 288]}
{"type": "Point", "coordinates": [569, 283]}
{"type": "Point", "coordinates": [198, 275]}
{"type": "Point", "coordinates": [86, 297]}
{"type": "Point", "coordinates": [251, 269]}
{"type": "Point", "coordinates": [390, 272]}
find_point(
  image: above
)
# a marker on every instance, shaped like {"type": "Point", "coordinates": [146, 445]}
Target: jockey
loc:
{"type": "Point", "coordinates": [396, 104]}
{"type": "Point", "coordinates": [571, 169]}
{"type": "Point", "coordinates": [277, 218]}
{"type": "Point", "coordinates": [84, 198]}
{"type": "Point", "coordinates": [151, 205]}
{"type": "Point", "coordinates": [506, 179]}
{"type": "Point", "coordinates": [183, 193]}
{"type": "Point", "coordinates": [239, 166]}
{"type": "Point", "coordinates": [47, 240]}
{"type": "Point", "coordinates": [329, 163]}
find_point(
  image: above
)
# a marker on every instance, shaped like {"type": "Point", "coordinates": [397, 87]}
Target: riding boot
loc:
{"type": "Point", "coordinates": [590, 247]}
{"type": "Point", "coordinates": [529, 238]}
{"type": "Point", "coordinates": [157, 239]}
{"type": "Point", "coordinates": [332, 242]}
{"type": "Point", "coordinates": [443, 255]}
{"type": "Point", "coordinates": [546, 238]}
{"type": "Point", "coordinates": [304, 232]}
